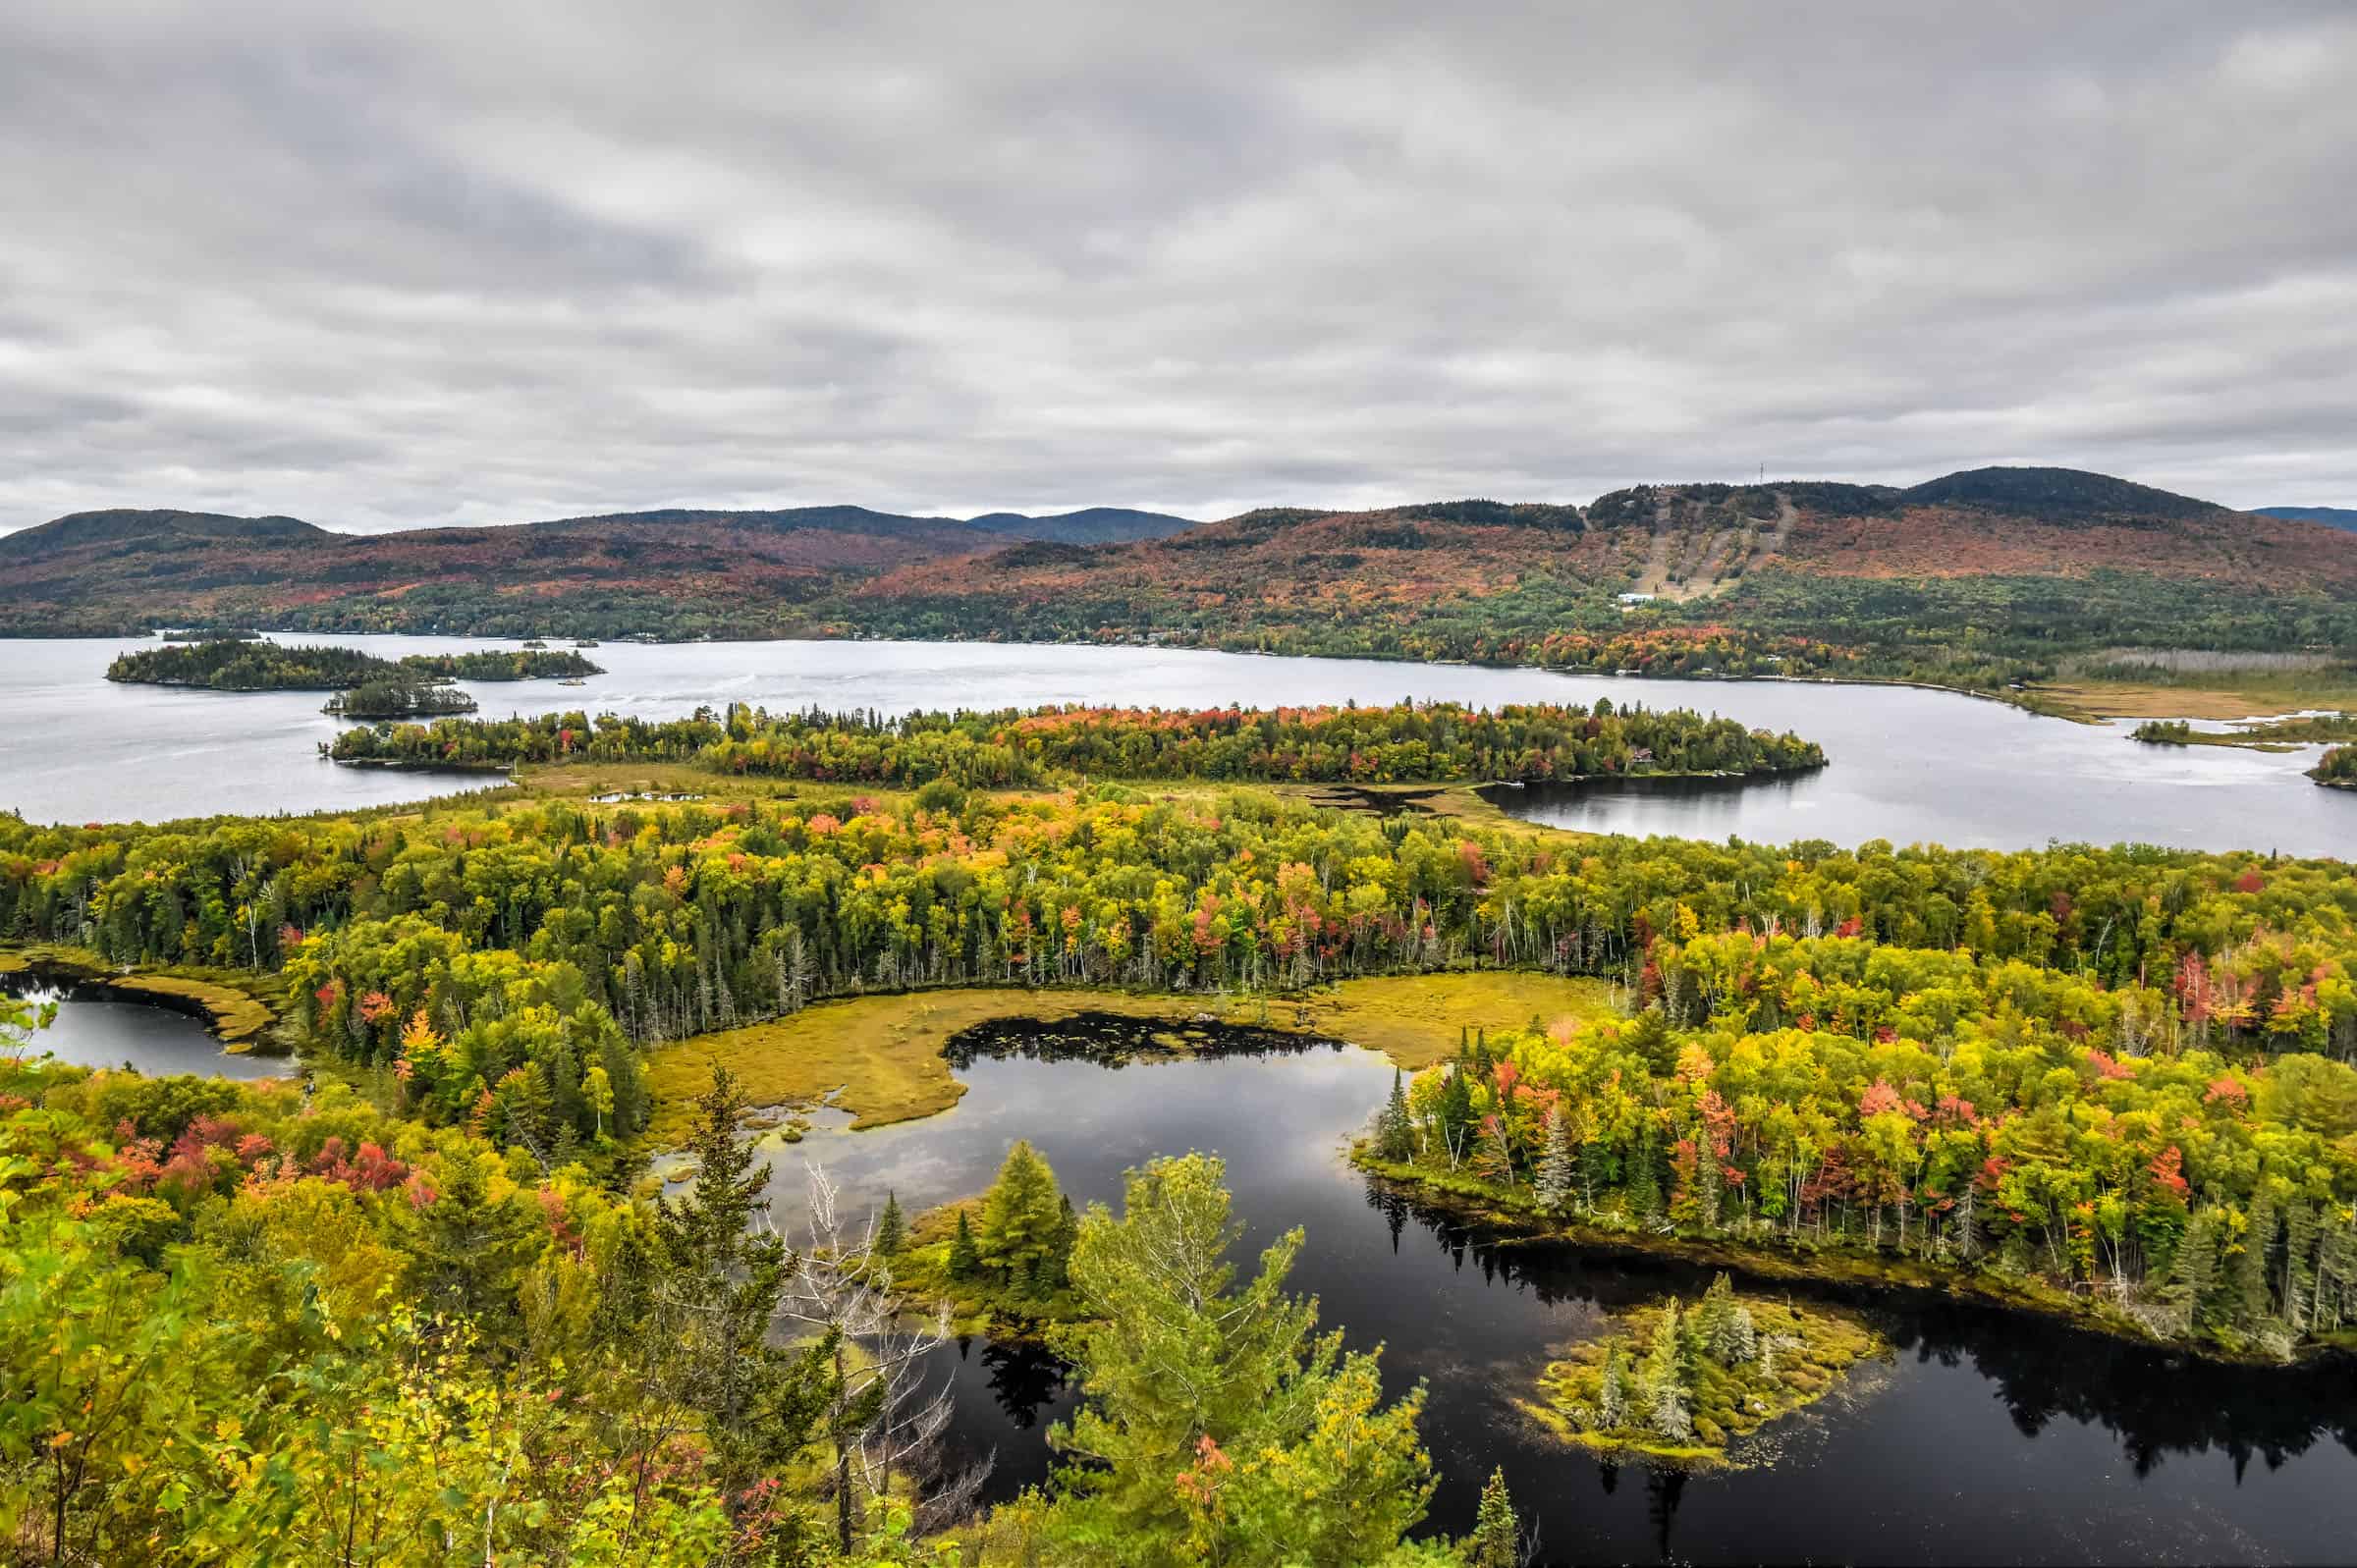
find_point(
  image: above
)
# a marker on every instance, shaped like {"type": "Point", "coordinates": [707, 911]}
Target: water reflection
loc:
{"type": "Point", "coordinates": [1992, 1438]}
{"type": "Point", "coordinates": [96, 1028]}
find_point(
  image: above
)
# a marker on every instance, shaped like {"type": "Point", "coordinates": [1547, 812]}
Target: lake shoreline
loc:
{"type": "Point", "coordinates": [1520, 1225]}
{"type": "Point", "coordinates": [236, 1010]}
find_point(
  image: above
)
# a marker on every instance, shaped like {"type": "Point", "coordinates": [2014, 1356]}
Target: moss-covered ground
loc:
{"type": "Point", "coordinates": [1796, 1355]}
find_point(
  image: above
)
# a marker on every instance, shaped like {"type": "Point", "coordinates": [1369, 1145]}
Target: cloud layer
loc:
{"type": "Point", "coordinates": [482, 263]}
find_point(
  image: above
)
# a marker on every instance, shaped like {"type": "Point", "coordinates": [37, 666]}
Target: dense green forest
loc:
{"type": "Point", "coordinates": [505, 968]}
{"type": "Point", "coordinates": [1427, 743]}
{"type": "Point", "coordinates": [231, 663]}
{"type": "Point", "coordinates": [400, 695]}
{"type": "Point", "coordinates": [2338, 768]}
{"type": "Point", "coordinates": [235, 665]}
{"type": "Point", "coordinates": [2179, 1150]}
{"type": "Point", "coordinates": [249, 1324]}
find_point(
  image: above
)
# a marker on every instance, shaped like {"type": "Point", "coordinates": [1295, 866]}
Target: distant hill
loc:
{"type": "Point", "coordinates": [2025, 560]}
{"type": "Point", "coordinates": [2055, 495]}
{"type": "Point", "coordinates": [1095, 525]}
{"type": "Point", "coordinates": [125, 525]}
{"type": "Point", "coordinates": [2329, 516]}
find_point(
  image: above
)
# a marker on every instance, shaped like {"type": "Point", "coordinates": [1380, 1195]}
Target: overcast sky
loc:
{"type": "Point", "coordinates": [490, 261]}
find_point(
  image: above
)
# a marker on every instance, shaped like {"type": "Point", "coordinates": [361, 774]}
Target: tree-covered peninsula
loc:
{"type": "Point", "coordinates": [1422, 742]}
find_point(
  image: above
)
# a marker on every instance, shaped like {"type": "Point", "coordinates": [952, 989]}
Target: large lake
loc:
{"type": "Point", "coordinates": [1987, 1439]}
{"type": "Point", "coordinates": [1908, 766]}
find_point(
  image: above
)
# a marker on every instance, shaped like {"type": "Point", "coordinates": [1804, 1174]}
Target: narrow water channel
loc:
{"type": "Point", "coordinates": [1988, 1437]}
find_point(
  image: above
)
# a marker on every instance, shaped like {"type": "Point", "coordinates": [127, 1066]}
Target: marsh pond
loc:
{"type": "Point", "coordinates": [1978, 1436]}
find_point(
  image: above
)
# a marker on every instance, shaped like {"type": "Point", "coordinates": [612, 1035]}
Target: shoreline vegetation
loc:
{"type": "Point", "coordinates": [2125, 684]}
{"type": "Point", "coordinates": [1791, 1154]}
{"type": "Point", "coordinates": [2267, 735]}
{"type": "Point", "coordinates": [2336, 769]}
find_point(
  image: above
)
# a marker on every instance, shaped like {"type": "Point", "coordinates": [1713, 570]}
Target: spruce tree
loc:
{"type": "Point", "coordinates": [964, 1259]}
{"type": "Point", "coordinates": [1189, 1372]}
{"type": "Point", "coordinates": [1559, 1172]}
{"type": "Point", "coordinates": [2251, 1294]}
{"type": "Point", "coordinates": [1019, 1216]}
{"type": "Point", "coordinates": [1457, 1111]}
{"type": "Point", "coordinates": [1497, 1534]}
{"type": "Point", "coordinates": [2193, 1273]}
{"type": "Point", "coordinates": [1612, 1394]}
{"type": "Point", "coordinates": [1395, 1129]}
{"type": "Point", "coordinates": [891, 1229]}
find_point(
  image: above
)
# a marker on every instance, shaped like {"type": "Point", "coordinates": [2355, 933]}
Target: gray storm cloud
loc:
{"type": "Point", "coordinates": [482, 263]}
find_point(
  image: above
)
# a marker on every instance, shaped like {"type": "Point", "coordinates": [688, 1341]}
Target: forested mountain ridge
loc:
{"type": "Point", "coordinates": [2329, 516]}
{"type": "Point", "coordinates": [1973, 578]}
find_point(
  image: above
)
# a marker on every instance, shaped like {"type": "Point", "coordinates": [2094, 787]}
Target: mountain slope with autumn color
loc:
{"type": "Point", "coordinates": [1977, 577]}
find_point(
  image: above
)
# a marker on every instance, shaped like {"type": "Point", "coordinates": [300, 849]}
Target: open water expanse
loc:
{"type": "Point", "coordinates": [1908, 766]}
{"type": "Point", "coordinates": [1988, 1438]}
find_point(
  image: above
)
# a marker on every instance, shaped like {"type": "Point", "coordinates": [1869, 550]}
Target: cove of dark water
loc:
{"type": "Point", "coordinates": [1988, 1437]}
{"type": "Point", "coordinates": [96, 1028]}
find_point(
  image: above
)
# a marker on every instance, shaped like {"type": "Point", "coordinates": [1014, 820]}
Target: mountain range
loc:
{"type": "Point", "coordinates": [2329, 516]}
{"type": "Point", "coordinates": [2000, 562]}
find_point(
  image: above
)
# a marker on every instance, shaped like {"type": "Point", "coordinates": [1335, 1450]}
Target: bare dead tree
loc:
{"type": "Point", "coordinates": [889, 1414]}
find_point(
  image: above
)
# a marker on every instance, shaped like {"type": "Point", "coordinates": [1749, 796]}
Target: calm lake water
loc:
{"type": "Point", "coordinates": [1907, 766]}
{"type": "Point", "coordinates": [94, 1030]}
{"type": "Point", "coordinates": [1987, 1438]}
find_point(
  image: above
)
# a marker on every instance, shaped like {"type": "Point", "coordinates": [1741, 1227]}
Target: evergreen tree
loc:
{"type": "Point", "coordinates": [2193, 1273]}
{"type": "Point", "coordinates": [891, 1229]}
{"type": "Point", "coordinates": [1395, 1129]}
{"type": "Point", "coordinates": [468, 1247]}
{"type": "Point", "coordinates": [1611, 1394]}
{"type": "Point", "coordinates": [1650, 1038]}
{"type": "Point", "coordinates": [1559, 1172]}
{"type": "Point", "coordinates": [716, 1296]}
{"type": "Point", "coordinates": [966, 1260]}
{"type": "Point", "coordinates": [1019, 1216]}
{"type": "Point", "coordinates": [1497, 1534]}
{"type": "Point", "coordinates": [1456, 1113]}
{"type": "Point", "coordinates": [2251, 1262]}
{"type": "Point", "coordinates": [1664, 1376]}
{"type": "Point", "coordinates": [1281, 1449]}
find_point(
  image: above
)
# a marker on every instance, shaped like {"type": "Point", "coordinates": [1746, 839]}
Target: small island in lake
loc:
{"type": "Point", "coordinates": [416, 686]}
{"type": "Point", "coordinates": [400, 695]}
{"type": "Point", "coordinates": [230, 664]}
{"type": "Point", "coordinates": [1682, 1385]}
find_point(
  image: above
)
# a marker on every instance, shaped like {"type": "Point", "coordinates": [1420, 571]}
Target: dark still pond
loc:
{"type": "Point", "coordinates": [94, 1029]}
{"type": "Point", "coordinates": [1987, 1438]}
